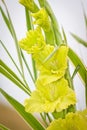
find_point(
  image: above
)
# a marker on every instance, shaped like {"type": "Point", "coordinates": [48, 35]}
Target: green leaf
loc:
{"type": "Point", "coordinates": [79, 40]}
{"type": "Point", "coordinates": [2, 64]}
{"type": "Point", "coordinates": [6, 20]}
{"type": "Point", "coordinates": [14, 36]}
{"type": "Point", "coordinates": [64, 35]}
{"type": "Point", "coordinates": [76, 61]}
{"type": "Point", "coordinates": [7, 72]}
{"type": "Point", "coordinates": [29, 118]}
{"type": "Point", "coordinates": [2, 127]}
{"type": "Point", "coordinates": [27, 66]}
{"type": "Point", "coordinates": [75, 71]}
{"type": "Point", "coordinates": [8, 53]}
{"type": "Point", "coordinates": [85, 17]}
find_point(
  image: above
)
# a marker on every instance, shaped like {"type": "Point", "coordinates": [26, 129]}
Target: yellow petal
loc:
{"type": "Point", "coordinates": [33, 42]}
{"type": "Point", "coordinates": [42, 19]}
{"type": "Point", "coordinates": [54, 68]}
{"type": "Point", "coordinates": [72, 121]}
{"type": "Point", "coordinates": [55, 96]}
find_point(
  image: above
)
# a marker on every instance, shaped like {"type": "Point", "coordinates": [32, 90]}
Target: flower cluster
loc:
{"type": "Point", "coordinates": [52, 90]}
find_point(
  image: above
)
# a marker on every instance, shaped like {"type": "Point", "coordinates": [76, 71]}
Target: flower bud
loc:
{"type": "Point", "coordinates": [42, 19]}
{"type": "Point", "coordinates": [29, 4]}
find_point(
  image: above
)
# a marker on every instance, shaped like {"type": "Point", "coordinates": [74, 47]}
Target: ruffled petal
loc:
{"type": "Point", "coordinates": [55, 96]}
{"type": "Point", "coordinates": [42, 19]}
{"type": "Point", "coordinates": [33, 42]}
{"type": "Point", "coordinates": [72, 121]}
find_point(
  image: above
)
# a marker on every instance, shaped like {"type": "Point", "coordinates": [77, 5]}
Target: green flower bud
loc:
{"type": "Point", "coordinates": [30, 4]}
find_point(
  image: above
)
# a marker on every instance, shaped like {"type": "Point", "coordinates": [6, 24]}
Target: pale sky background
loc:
{"type": "Point", "coordinates": [70, 15]}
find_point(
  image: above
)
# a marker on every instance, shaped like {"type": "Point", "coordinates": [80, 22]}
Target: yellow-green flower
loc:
{"type": "Point", "coordinates": [30, 4]}
{"type": "Point", "coordinates": [55, 66]}
{"type": "Point", "coordinates": [33, 42]}
{"type": "Point", "coordinates": [42, 19]}
{"type": "Point", "coordinates": [42, 55]}
{"type": "Point", "coordinates": [72, 121]}
{"type": "Point", "coordinates": [55, 96]}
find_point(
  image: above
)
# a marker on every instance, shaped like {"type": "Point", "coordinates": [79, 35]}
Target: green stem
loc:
{"type": "Point", "coordinates": [27, 67]}
{"type": "Point", "coordinates": [43, 119]}
{"type": "Point", "coordinates": [30, 26]}
{"type": "Point", "coordinates": [49, 118]}
{"type": "Point", "coordinates": [34, 69]}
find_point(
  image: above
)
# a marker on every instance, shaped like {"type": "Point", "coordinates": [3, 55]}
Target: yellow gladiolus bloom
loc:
{"type": "Point", "coordinates": [72, 121]}
{"type": "Point", "coordinates": [54, 96]}
{"type": "Point", "coordinates": [33, 42]}
{"type": "Point", "coordinates": [42, 19]}
{"type": "Point", "coordinates": [55, 66]}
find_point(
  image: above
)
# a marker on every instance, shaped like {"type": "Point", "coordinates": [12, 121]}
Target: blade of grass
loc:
{"type": "Point", "coordinates": [29, 118]}
{"type": "Point", "coordinates": [8, 53]}
{"type": "Point", "coordinates": [27, 66]}
{"type": "Point", "coordinates": [12, 62]}
{"type": "Point", "coordinates": [6, 20]}
{"type": "Point", "coordinates": [64, 36]}
{"type": "Point", "coordinates": [14, 37]}
{"type": "Point", "coordinates": [2, 127]}
{"type": "Point", "coordinates": [43, 119]}
{"type": "Point", "coordinates": [58, 37]}
{"type": "Point", "coordinates": [76, 61]}
{"type": "Point", "coordinates": [79, 40]}
{"type": "Point", "coordinates": [16, 43]}
{"type": "Point", "coordinates": [75, 71]}
{"type": "Point", "coordinates": [2, 64]}
{"type": "Point", "coordinates": [7, 72]}
{"type": "Point", "coordinates": [85, 17]}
